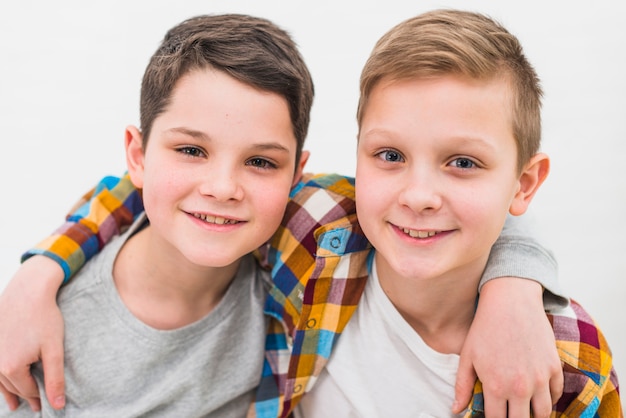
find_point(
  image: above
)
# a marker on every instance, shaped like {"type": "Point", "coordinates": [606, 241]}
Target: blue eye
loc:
{"type": "Point", "coordinates": [463, 163]}
{"type": "Point", "coordinates": [390, 156]}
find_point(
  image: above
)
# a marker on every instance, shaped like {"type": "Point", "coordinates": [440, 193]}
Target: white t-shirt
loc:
{"type": "Point", "coordinates": [381, 367]}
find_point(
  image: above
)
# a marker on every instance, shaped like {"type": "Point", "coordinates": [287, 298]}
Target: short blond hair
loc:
{"type": "Point", "coordinates": [443, 42]}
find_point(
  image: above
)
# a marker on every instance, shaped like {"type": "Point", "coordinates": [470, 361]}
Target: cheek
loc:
{"type": "Point", "coordinates": [365, 201]}
{"type": "Point", "coordinates": [485, 206]}
{"type": "Point", "coordinates": [368, 183]}
{"type": "Point", "coordinates": [373, 199]}
{"type": "Point", "coordinates": [161, 184]}
{"type": "Point", "coordinates": [270, 203]}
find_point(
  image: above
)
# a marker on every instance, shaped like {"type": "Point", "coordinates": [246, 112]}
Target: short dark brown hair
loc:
{"type": "Point", "coordinates": [252, 50]}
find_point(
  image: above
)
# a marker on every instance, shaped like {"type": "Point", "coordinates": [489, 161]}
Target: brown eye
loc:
{"type": "Point", "coordinates": [191, 151]}
{"type": "Point", "coordinates": [260, 163]}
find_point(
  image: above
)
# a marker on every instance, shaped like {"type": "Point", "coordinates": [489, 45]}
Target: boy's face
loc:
{"type": "Point", "coordinates": [436, 174]}
{"type": "Point", "coordinates": [217, 170]}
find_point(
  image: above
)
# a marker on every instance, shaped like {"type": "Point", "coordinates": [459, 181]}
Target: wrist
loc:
{"type": "Point", "coordinates": [41, 275]}
{"type": "Point", "coordinates": [507, 289]}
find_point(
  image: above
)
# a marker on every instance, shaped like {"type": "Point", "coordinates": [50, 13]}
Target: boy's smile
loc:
{"type": "Point", "coordinates": [217, 170]}
{"type": "Point", "coordinates": [218, 220]}
{"type": "Point", "coordinates": [436, 174]}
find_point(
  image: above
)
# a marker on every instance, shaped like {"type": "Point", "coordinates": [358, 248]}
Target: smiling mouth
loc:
{"type": "Point", "coordinates": [414, 233]}
{"type": "Point", "coordinates": [218, 220]}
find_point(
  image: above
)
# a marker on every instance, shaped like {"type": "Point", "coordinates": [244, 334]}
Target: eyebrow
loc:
{"type": "Point", "coordinates": [473, 140]}
{"type": "Point", "coordinates": [459, 139]}
{"type": "Point", "coordinates": [190, 132]}
{"type": "Point", "coordinates": [262, 146]}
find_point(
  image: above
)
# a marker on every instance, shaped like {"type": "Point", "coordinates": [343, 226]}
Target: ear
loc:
{"type": "Point", "coordinates": [304, 157]}
{"type": "Point", "coordinates": [532, 176]}
{"type": "Point", "coordinates": [133, 142]}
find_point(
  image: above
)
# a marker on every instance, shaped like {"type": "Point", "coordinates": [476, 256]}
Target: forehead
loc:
{"type": "Point", "coordinates": [439, 108]}
{"type": "Point", "coordinates": [440, 97]}
{"type": "Point", "coordinates": [208, 80]}
{"type": "Point", "coordinates": [213, 102]}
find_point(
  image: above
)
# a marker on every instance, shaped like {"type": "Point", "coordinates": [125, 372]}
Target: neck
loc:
{"type": "Point", "coordinates": [439, 308]}
{"type": "Point", "coordinates": [162, 288]}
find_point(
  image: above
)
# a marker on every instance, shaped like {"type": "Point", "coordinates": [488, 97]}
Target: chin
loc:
{"type": "Point", "coordinates": [213, 260]}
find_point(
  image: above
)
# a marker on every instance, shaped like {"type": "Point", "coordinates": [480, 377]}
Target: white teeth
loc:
{"type": "Point", "coordinates": [218, 220]}
{"type": "Point", "coordinates": [413, 233]}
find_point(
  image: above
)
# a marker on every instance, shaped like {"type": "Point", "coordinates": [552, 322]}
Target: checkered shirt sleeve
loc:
{"type": "Point", "coordinates": [99, 215]}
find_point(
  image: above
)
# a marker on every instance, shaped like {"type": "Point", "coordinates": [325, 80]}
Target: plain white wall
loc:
{"type": "Point", "coordinates": [69, 84]}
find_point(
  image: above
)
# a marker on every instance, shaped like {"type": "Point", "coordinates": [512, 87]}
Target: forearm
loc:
{"type": "Point", "coordinates": [31, 321]}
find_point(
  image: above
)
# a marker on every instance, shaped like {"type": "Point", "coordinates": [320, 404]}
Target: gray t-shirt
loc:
{"type": "Point", "coordinates": [117, 366]}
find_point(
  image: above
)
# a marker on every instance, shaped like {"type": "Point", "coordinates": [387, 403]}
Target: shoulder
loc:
{"type": "Point", "coordinates": [97, 271]}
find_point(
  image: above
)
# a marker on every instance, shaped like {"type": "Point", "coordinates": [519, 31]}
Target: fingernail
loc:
{"type": "Point", "coordinates": [59, 401]}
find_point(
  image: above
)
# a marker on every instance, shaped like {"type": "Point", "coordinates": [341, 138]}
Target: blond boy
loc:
{"type": "Point", "coordinates": [448, 144]}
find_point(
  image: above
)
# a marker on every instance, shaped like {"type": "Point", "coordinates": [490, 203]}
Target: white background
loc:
{"type": "Point", "coordinates": [69, 83]}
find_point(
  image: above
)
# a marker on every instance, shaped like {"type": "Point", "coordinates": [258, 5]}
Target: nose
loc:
{"type": "Point", "coordinates": [421, 190]}
{"type": "Point", "coordinates": [222, 181]}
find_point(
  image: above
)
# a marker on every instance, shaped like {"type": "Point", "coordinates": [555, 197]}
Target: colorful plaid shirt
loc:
{"type": "Point", "coordinates": [318, 262]}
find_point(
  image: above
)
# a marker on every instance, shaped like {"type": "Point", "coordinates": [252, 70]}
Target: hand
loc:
{"type": "Point", "coordinates": [12, 400]}
{"type": "Point", "coordinates": [31, 320]}
{"type": "Point", "coordinates": [512, 350]}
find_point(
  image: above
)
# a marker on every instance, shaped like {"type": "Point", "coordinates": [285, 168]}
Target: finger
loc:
{"type": "Point", "coordinates": [21, 383]}
{"type": "Point", "coordinates": [542, 404]}
{"type": "Point", "coordinates": [12, 400]}
{"type": "Point", "coordinates": [519, 407]}
{"type": "Point", "coordinates": [54, 379]}
{"type": "Point", "coordinates": [495, 407]}
{"type": "Point", "coordinates": [35, 404]}
{"type": "Point", "coordinates": [7, 386]}
{"type": "Point", "coordinates": [464, 385]}
{"type": "Point", "coordinates": [556, 386]}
